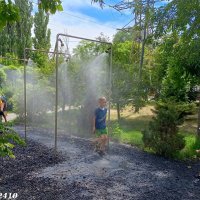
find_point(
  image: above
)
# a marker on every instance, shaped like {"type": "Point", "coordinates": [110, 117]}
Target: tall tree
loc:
{"type": "Point", "coordinates": [23, 27]}
{"type": "Point", "coordinates": [8, 43]}
{"type": "Point", "coordinates": [42, 37]}
{"type": "Point", "coordinates": [42, 33]}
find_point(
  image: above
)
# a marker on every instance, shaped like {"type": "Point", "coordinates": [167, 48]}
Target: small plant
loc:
{"type": "Point", "coordinates": [8, 139]}
{"type": "Point", "coordinates": [162, 135]}
{"type": "Point", "coordinates": [189, 151]}
{"type": "Point", "coordinates": [116, 131]}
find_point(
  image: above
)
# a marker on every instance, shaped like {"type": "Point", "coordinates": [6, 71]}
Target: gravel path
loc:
{"type": "Point", "coordinates": [79, 173]}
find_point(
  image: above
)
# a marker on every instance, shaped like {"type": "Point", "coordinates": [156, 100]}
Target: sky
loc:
{"type": "Point", "coordinates": [84, 19]}
{"type": "Point", "coordinates": [81, 18]}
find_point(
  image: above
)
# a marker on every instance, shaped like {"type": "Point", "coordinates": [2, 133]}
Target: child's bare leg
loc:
{"type": "Point", "coordinates": [103, 142]}
{"type": "Point", "coordinates": [4, 116]}
{"type": "Point", "coordinates": [96, 142]}
{"type": "Point", "coordinates": [107, 140]}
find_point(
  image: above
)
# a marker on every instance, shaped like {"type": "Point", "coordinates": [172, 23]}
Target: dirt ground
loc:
{"type": "Point", "coordinates": [77, 172]}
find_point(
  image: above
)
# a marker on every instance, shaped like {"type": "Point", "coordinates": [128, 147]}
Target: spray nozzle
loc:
{"type": "Point", "coordinates": [62, 44]}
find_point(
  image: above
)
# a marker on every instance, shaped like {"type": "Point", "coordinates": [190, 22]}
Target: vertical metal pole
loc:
{"type": "Point", "coordinates": [198, 123]}
{"type": "Point", "coordinates": [56, 100]}
{"type": "Point", "coordinates": [25, 119]}
{"type": "Point", "coordinates": [109, 95]}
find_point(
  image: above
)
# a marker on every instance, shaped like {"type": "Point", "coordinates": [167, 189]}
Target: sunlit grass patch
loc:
{"type": "Point", "coordinates": [192, 143]}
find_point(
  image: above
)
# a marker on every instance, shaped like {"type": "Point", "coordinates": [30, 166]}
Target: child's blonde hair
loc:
{"type": "Point", "coordinates": [102, 98]}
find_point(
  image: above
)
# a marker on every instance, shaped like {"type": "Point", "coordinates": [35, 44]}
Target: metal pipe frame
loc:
{"type": "Point", "coordinates": [25, 125]}
{"type": "Point", "coordinates": [110, 81]}
{"type": "Point", "coordinates": [7, 58]}
{"type": "Point", "coordinates": [44, 51]}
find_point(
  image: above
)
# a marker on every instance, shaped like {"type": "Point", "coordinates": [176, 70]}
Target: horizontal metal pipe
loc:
{"type": "Point", "coordinates": [82, 38]}
{"type": "Point", "coordinates": [2, 57]}
{"type": "Point", "coordinates": [29, 49]}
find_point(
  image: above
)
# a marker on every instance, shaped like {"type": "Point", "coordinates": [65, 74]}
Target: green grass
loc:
{"type": "Point", "coordinates": [129, 132]}
{"type": "Point", "coordinates": [132, 138]}
{"type": "Point", "coordinates": [192, 143]}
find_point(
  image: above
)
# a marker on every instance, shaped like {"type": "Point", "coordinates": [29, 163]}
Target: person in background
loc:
{"type": "Point", "coordinates": [3, 108]}
{"type": "Point", "coordinates": [99, 126]}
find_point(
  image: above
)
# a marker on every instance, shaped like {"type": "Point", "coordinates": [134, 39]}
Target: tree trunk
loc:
{"type": "Point", "coordinates": [118, 112]}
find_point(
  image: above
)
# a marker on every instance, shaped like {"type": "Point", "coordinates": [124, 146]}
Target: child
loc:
{"type": "Point", "coordinates": [99, 125]}
{"type": "Point", "coordinates": [2, 108]}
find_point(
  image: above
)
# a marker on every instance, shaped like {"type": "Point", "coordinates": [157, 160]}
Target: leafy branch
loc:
{"type": "Point", "coordinates": [8, 139]}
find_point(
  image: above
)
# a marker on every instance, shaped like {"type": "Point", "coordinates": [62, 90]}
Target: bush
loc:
{"type": "Point", "coordinates": [116, 131]}
{"type": "Point", "coordinates": [8, 139]}
{"type": "Point", "coordinates": [162, 135]}
{"type": "Point", "coordinates": [189, 152]}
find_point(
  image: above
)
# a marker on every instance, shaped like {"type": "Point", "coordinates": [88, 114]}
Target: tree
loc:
{"type": "Point", "coordinates": [8, 43]}
{"type": "Point", "coordinates": [122, 78]}
{"type": "Point", "coordinates": [162, 135]}
{"type": "Point", "coordinates": [9, 11]}
{"type": "Point", "coordinates": [143, 12]}
{"type": "Point", "coordinates": [42, 37]}
{"type": "Point", "coordinates": [42, 33]}
{"type": "Point", "coordinates": [182, 18]}
{"type": "Point", "coordinates": [23, 27]}
{"type": "Point", "coordinates": [179, 16]}
{"type": "Point", "coordinates": [2, 77]}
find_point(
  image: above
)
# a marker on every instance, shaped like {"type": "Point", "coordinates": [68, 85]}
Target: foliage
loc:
{"type": "Point", "coordinates": [23, 27]}
{"type": "Point", "coordinates": [8, 139]}
{"type": "Point", "coordinates": [122, 79]}
{"type": "Point", "coordinates": [2, 77]}
{"type": "Point", "coordinates": [115, 131]}
{"type": "Point", "coordinates": [9, 11]}
{"type": "Point", "coordinates": [86, 49]}
{"type": "Point", "coordinates": [177, 69]}
{"type": "Point", "coordinates": [176, 84]}
{"type": "Point", "coordinates": [162, 135]}
{"type": "Point", "coordinates": [11, 59]}
{"type": "Point", "coordinates": [179, 16]}
{"type": "Point", "coordinates": [8, 44]}
{"type": "Point", "coordinates": [181, 19]}
{"type": "Point", "coordinates": [41, 40]}
{"type": "Point", "coordinates": [192, 143]}
{"type": "Point", "coordinates": [51, 6]}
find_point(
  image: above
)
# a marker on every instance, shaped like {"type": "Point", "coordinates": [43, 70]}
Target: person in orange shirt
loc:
{"type": "Point", "coordinates": [2, 109]}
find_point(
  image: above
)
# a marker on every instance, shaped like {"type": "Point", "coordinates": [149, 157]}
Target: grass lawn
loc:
{"type": "Point", "coordinates": [129, 130]}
